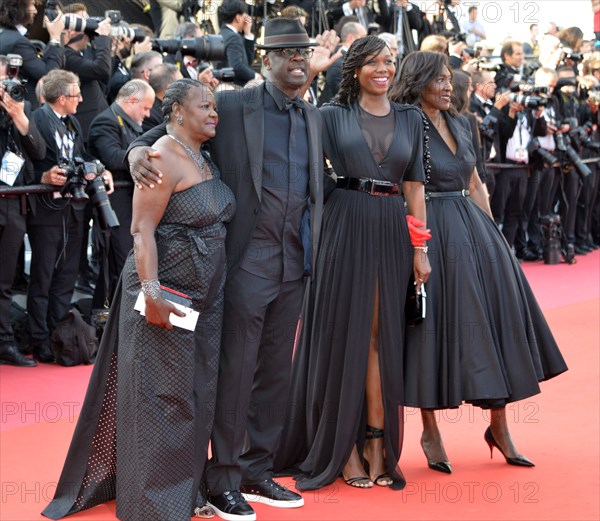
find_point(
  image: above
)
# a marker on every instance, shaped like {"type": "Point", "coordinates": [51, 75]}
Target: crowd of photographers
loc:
{"type": "Point", "coordinates": [70, 108]}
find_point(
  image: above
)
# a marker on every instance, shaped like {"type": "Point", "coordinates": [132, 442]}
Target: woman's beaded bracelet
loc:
{"type": "Point", "coordinates": [151, 288]}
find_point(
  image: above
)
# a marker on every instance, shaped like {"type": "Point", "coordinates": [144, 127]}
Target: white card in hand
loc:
{"type": "Point", "coordinates": [188, 322]}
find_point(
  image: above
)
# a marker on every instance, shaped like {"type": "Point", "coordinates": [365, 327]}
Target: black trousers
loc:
{"type": "Point", "coordinates": [12, 231]}
{"type": "Point", "coordinates": [259, 328]}
{"type": "Point", "coordinates": [585, 204]}
{"type": "Point", "coordinates": [508, 198]}
{"type": "Point", "coordinates": [54, 267]}
{"type": "Point", "coordinates": [569, 188]}
{"type": "Point", "coordinates": [528, 232]}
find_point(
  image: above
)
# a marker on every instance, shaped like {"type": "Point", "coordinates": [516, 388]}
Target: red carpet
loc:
{"type": "Point", "coordinates": [559, 430]}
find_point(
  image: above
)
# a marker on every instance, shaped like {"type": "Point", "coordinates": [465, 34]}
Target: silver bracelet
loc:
{"type": "Point", "coordinates": [151, 288]}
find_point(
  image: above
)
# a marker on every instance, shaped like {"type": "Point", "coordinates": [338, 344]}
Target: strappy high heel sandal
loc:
{"type": "Point", "coordinates": [383, 480]}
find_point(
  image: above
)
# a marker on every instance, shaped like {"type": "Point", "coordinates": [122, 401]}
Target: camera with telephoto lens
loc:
{"type": "Point", "coordinates": [119, 28]}
{"type": "Point", "coordinates": [224, 74]}
{"type": "Point", "coordinates": [12, 86]}
{"type": "Point", "coordinates": [582, 137]}
{"type": "Point", "coordinates": [209, 47]}
{"type": "Point", "coordinates": [534, 148]}
{"type": "Point", "coordinates": [563, 145]}
{"type": "Point", "coordinates": [484, 64]}
{"type": "Point", "coordinates": [488, 127]}
{"type": "Point", "coordinates": [84, 183]}
{"type": "Point", "coordinates": [528, 101]}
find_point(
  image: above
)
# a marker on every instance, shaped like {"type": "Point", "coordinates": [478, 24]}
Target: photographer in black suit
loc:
{"type": "Point", "coordinates": [15, 16]}
{"type": "Point", "coordinates": [20, 142]}
{"type": "Point", "coordinates": [239, 50]}
{"type": "Point", "coordinates": [55, 225]}
{"type": "Point", "coordinates": [111, 133]}
{"type": "Point", "coordinates": [512, 69]}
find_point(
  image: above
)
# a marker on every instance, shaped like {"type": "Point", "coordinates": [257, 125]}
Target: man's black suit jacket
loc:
{"type": "Point", "coordinates": [93, 69]}
{"type": "Point", "coordinates": [237, 150]}
{"type": "Point", "coordinates": [47, 122]}
{"type": "Point", "coordinates": [156, 116]}
{"type": "Point", "coordinates": [109, 140]}
{"type": "Point", "coordinates": [12, 41]}
{"type": "Point", "coordinates": [239, 54]}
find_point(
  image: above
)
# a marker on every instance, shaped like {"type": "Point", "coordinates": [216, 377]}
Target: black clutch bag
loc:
{"type": "Point", "coordinates": [416, 304]}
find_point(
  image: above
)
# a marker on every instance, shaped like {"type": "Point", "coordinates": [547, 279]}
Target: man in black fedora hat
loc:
{"type": "Point", "coordinates": [268, 149]}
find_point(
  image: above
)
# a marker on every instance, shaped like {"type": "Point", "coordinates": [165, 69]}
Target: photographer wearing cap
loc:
{"type": "Point", "coordinates": [20, 142]}
{"type": "Point", "coordinates": [55, 225]}
{"type": "Point", "coordinates": [572, 181]}
{"type": "Point", "coordinates": [15, 17]}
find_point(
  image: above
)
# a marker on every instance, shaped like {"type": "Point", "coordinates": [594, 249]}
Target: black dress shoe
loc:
{"type": "Point", "coordinates": [592, 245]}
{"type": "Point", "coordinates": [232, 506]}
{"type": "Point", "coordinates": [271, 493]}
{"type": "Point", "coordinates": [9, 354]}
{"type": "Point", "coordinates": [580, 250]}
{"type": "Point", "coordinates": [530, 256]}
{"type": "Point", "coordinates": [43, 353]}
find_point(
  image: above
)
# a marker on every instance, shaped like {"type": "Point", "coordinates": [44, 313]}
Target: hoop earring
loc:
{"type": "Point", "coordinates": [180, 120]}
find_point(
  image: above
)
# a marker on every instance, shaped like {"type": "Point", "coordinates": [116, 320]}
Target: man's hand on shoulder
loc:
{"type": "Point", "coordinates": [141, 169]}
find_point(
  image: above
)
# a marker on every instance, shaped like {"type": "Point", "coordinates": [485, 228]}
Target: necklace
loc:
{"type": "Point", "coordinates": [438, 123]}
{"type": "Point", "coordinates": [198, 159]}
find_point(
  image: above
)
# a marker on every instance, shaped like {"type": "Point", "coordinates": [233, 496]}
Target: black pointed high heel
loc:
{"type": "Point", "coordinates": [383, 479]}
{"type": "Point", "coordinates": [439, 466]}
{"type": "Point", "coordinates": [520, 461]}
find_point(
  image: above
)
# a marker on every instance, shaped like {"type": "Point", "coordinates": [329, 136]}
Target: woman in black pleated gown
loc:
{"type": "Point", "coordinates": [142, 436]}
{"type": "Point", "coordinates": [484, 340]}
{"type": "Point", "coordinates": [346, 386]}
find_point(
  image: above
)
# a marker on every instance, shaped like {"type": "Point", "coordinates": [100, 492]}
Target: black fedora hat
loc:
{"type": "Point", "coordinates": [285, 32]}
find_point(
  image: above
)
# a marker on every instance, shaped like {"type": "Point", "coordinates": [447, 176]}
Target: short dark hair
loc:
{"type": "Point", "coordinates": [13, 13]}
{"type": "Point", "coordinates": [140, 60]}
{"type": "Point", "coordinates": [507, 48]}
{"type": "Point", "coordinates": [162, 76]}
{"type": "Point", "coordinates": [229, 9]}
{"type": "Point", "coordinates": [418, 70]}
{"type": "Point", "coordinates": [74, 8]}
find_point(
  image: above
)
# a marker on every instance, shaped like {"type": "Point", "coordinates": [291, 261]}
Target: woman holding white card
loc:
{"type": "Point", "coordinates": [145, 425]}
